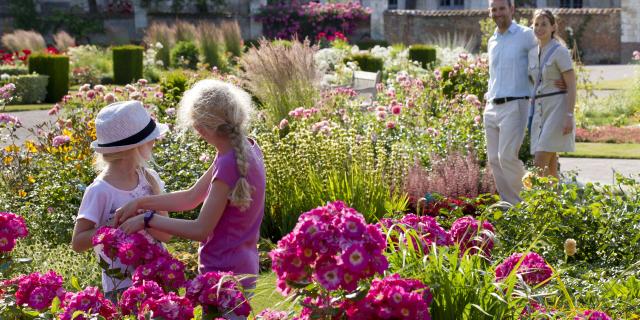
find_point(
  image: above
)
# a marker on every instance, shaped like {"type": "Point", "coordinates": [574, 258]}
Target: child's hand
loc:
{"type": "Point", "coordinates": [133, 224]}
{"type": "Point", "coordinates": [127, 211]}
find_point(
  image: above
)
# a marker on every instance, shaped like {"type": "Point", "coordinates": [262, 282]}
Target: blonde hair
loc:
{"type": "Point", "coordinates": [226, 110]}
{"type": "Point", "coordinates": [102, 162]}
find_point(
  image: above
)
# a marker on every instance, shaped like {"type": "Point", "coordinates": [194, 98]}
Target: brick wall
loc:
{"type": "Point", "coordinates": [598, 31]}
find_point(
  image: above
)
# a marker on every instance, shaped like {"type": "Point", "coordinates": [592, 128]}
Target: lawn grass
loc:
{"type": "Point", "coordinates": [605, 150]}
{"type": "Point", "coordinates": [266, 295]}
{"type": "Point", "coordinates": [27, 107]}
{"type": "Point", "coordinates": [612, 84]}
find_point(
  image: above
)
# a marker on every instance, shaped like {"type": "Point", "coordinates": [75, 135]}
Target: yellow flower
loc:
{"type": "Point", "coordinates": [7, 160]}
{"type": "Point", "coordinates": [570, 247]}
{"type": "Point", "coordinates": [31, 179]}
{"type": "Point", "coordinates": [30, 146]}
{"type": "Point", "coordinates": [12, 148]}
{"type": "Point", "coordinates": [22, 193]}
{"type": "Point", "coordinates": [527, 180]}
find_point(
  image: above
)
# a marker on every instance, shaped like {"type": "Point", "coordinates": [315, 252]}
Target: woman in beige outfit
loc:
{"type": "Point", "coordinates": [552, 126]}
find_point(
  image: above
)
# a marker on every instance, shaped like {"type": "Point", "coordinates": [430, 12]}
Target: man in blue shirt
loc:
{"type": "Point", "coordinates": [505, 115]}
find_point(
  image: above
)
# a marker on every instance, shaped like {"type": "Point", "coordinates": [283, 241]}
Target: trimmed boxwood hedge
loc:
{"type": "Point", "coordinates": [30, 88]}
{"type": "Point", "coordinates": [127, 63]}
{"type": "Point", "coordinates": [367, 62]}
{"type": "Point", "coordinates": [422, 53]}
{"type": "Point", "coordinates": [57, 68]}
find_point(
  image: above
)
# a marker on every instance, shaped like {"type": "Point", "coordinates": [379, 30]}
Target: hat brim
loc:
{"type": "Point", "coordinates": [160, 130]}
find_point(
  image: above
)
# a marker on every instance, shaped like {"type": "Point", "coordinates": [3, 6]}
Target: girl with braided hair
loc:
{"type": "Point", "coordinates": [232, 190]}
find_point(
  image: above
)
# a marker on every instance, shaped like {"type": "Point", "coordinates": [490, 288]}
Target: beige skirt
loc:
{"type": "Point", "coordinates": [546, 127]}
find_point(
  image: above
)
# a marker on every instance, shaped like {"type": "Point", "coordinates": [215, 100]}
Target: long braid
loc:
{"type": "Point", "coordinates": [241, 192]}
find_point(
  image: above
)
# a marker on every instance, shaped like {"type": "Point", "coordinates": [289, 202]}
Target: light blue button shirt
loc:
{"type": "Point", "coordinates": [508, 62]}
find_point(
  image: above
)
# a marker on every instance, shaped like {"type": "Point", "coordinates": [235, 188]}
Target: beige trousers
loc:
{"type": "Point", "coordinates": [504, 127]}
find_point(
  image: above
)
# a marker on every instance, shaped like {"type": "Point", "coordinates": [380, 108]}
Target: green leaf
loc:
{"type": "Point", "coordinates": [75, 284]}
{"type": "Point", "coordinates": [55, 305]}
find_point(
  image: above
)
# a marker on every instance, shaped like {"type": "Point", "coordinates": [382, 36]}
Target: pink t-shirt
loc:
{"type": "Point", "coordinates": [233, 244]}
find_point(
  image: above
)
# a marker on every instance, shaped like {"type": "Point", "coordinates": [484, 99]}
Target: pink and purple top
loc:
{"type": "Point", "coordinates": [233, 244]}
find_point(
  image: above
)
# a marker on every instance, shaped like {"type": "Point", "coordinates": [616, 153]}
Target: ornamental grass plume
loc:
{"type": "Point", "coordinates": [232, 36]}
{"type": "Point", "coordinates": [570, 247]}
{"type": "Point", "coordinates": [19, 40]}
{"type": "Point", "coordinates": [159, 32]}
{"type": "Point", "coordinates": [211, 45]}
{"type": "Point", "coordinates": [63, 41]}
{"type": "Point", "coordinates": [282, 77]}
{"type": "Point", "coordinates": [533, 269]}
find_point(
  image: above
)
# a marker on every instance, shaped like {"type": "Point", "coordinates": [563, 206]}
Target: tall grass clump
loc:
{"type": "Point", "coordinates": [22, 39]}
{"type": "Point", "coordinates": [211, 45]}
{"type": "Point", "coordinates": [63, 41]}
{"type": "Point", "coordinates": [282, 78]}
{"type": "Point", "coordinates": [166, 36]}
{"type": "Point", "coordinates": [232, 37]}
{"type": "Point", "coordinates": [185, 31]}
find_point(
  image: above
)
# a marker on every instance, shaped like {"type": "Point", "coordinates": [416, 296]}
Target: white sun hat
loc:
{"type": "Point", "coordinates": [125, 125]}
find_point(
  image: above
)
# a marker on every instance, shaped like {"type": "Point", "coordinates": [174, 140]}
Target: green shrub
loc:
{"type": "Point", "coordinates": [368, 44]}
{"type": "Point", "coordinates": [30, 88]}
{"type": "Point", "coordinates": [13, 70]}
{"type": "Point", "coordinates": [174, 84]}
{"type": "Point", "coordinates": [57, 68]}
{"type": "Point", "coordinates": [424, 54]}
{"type": "Point", "coordinates": [127, 63]}
{"type": "Point", "coordinates": [185, 55]}
{"type": "Point", "coordinates": [279, 42]}
{"type": "Point", "coordinates": [367, 62]}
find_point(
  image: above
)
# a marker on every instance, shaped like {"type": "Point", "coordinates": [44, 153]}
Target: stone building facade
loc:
{"type": "Point", "coordinates": [607, 31]}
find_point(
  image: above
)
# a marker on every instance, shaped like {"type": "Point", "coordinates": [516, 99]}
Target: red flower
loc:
{"type": "Point", "coordinates": [26, 51]}
{"type": "Point", "coordinates": [52, 50]}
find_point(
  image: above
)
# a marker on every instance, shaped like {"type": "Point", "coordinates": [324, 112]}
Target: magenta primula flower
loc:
{"type": "Point", "coordinates": [90, 301]}
{"type": "Point", "coordinates": [592, 315]}
{"type": "Point", "coordinates": [331, 245]}
{"type": "Point", "coordinates": [168, 307]}
{"type": "Point", "coordinates": [166, 271]}
{"type": "Point", "coordinates": [427, 228]}
{"type": "Point", "coordinates": [136, 295]}
{"type": "Point", "coordinates": [392, 298]}
{"type": "Point", "coordinates": [219, 292]}
{"type": "Point", "coordinates": [12, 226]}
{"type": "Point", "coordinates": [471, 235]}
{"type": "Point", "coordinates": [37, 290]}
{"type": "Point", "coordinates": [533, 269]}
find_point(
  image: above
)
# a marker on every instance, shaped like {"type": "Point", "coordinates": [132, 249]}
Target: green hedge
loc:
{"type": "Point", "coordinates": [127, 63]}
{"type": "Point", "coordinates": [30, 88]}
{"type": "Point", "coordinates": [57, 68]}
{"type": "Point", "coordinates": [13, 70]}
{"type": "Point", "coordinates": [367, 62]}
{"type": "Point", "coordinates": [422, 53]}
{"type": "Point", "coordinates": [174, 84]}
{"type": "Point", "coordinates": [368, 44]}
{"type": "Point", "coordinates": [185, 55]}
